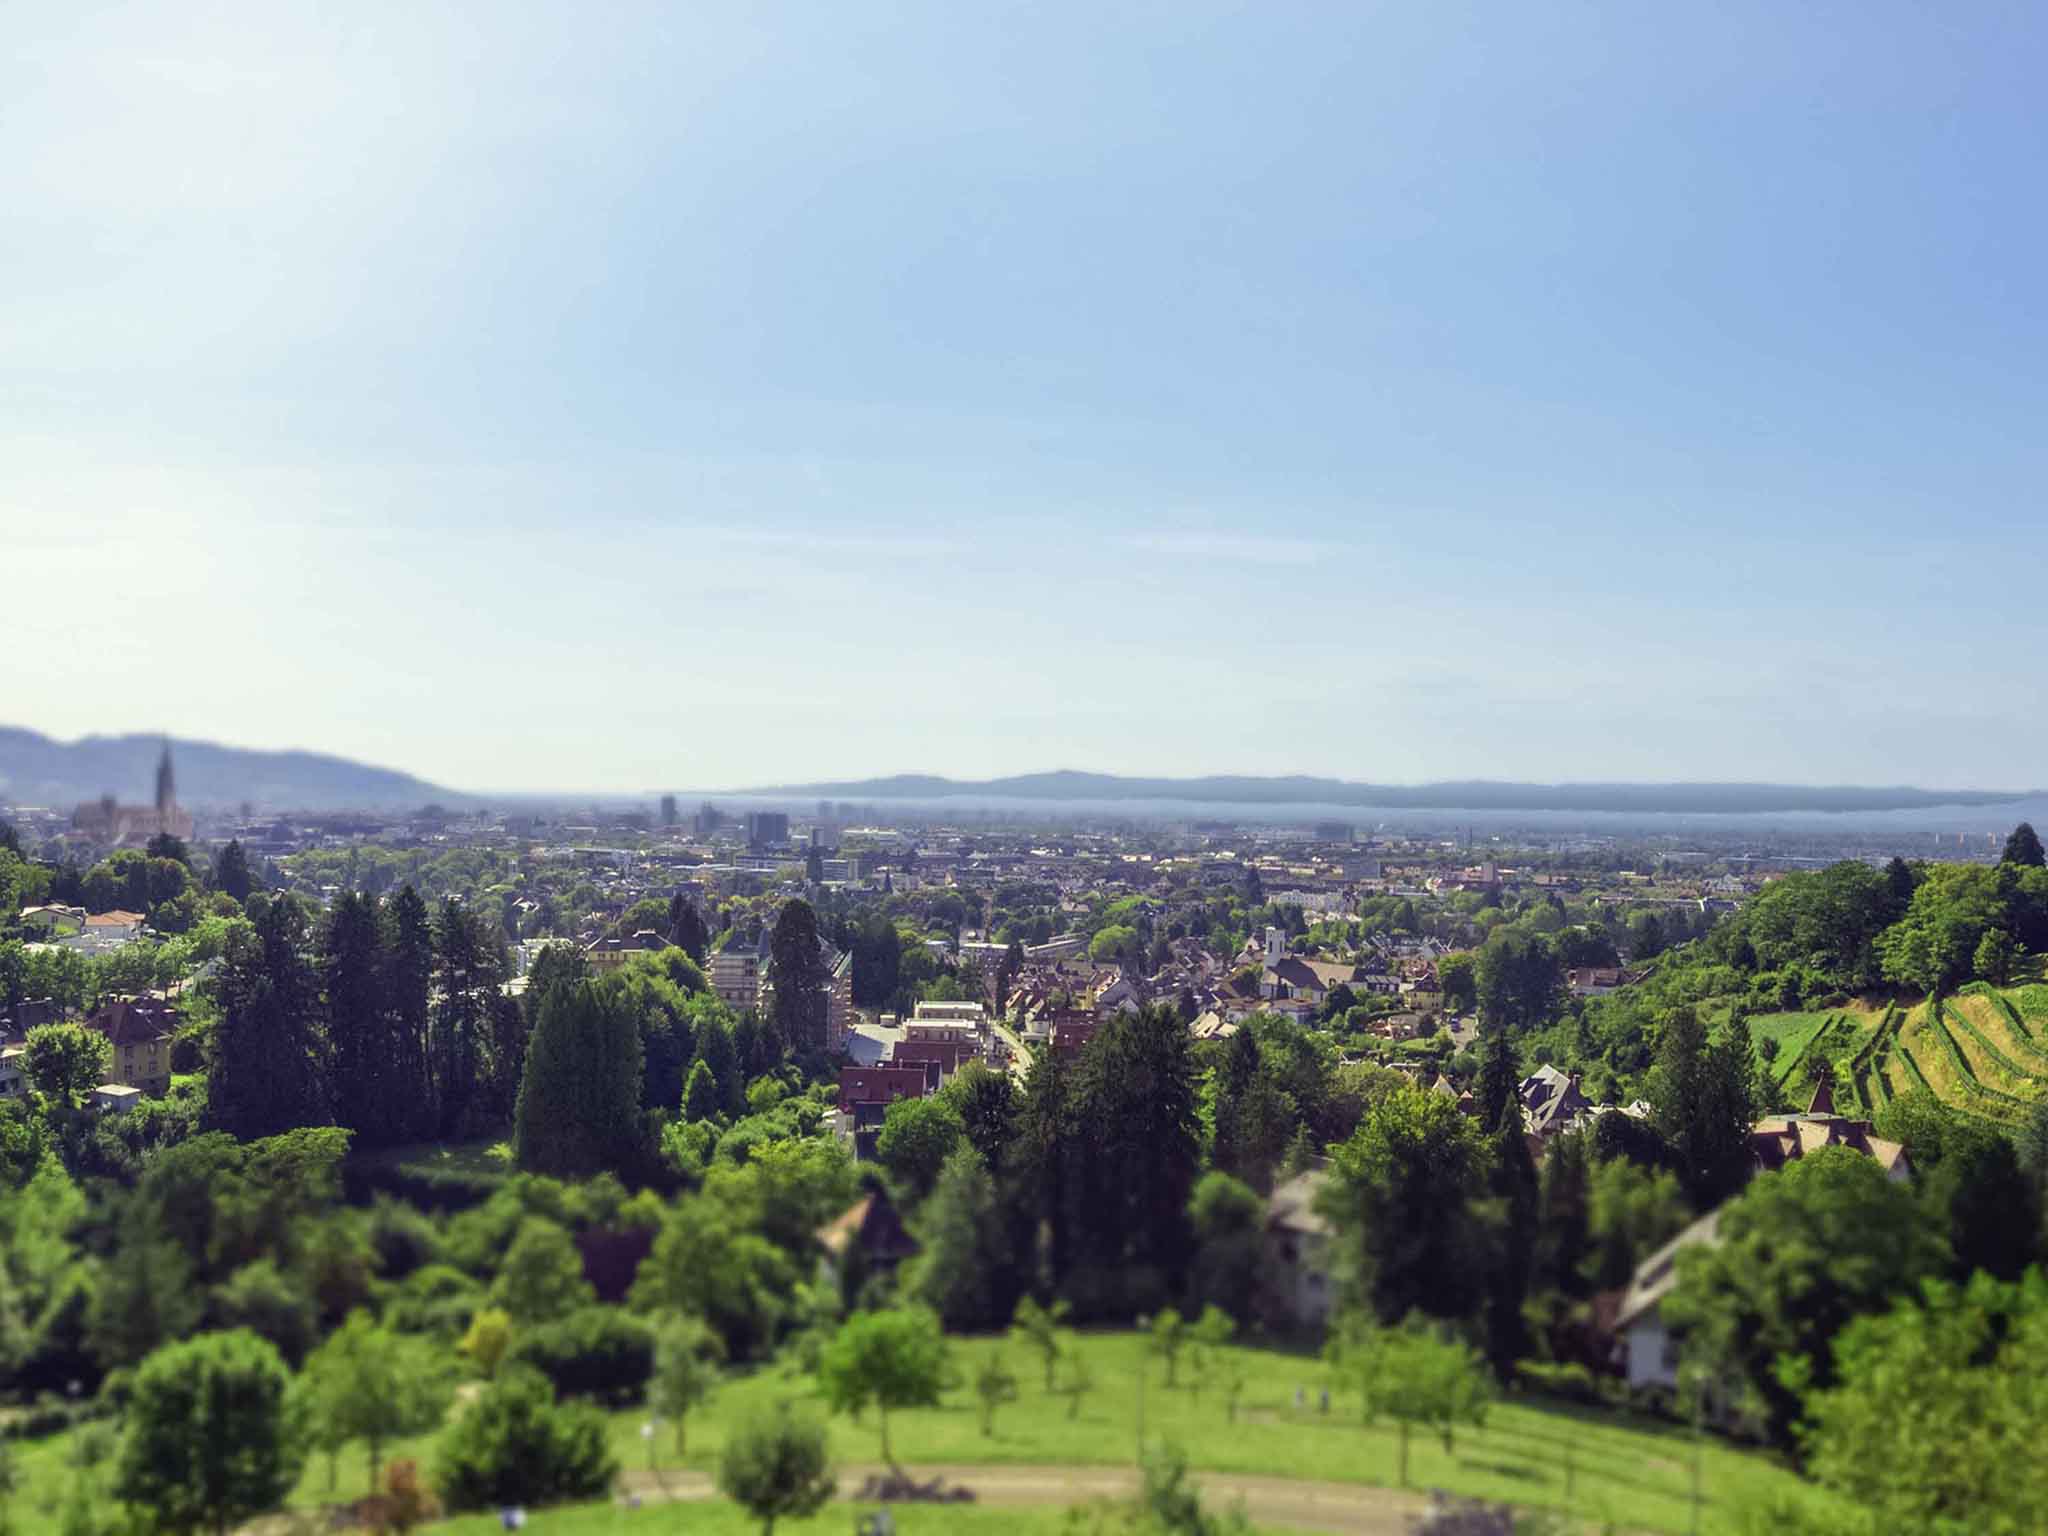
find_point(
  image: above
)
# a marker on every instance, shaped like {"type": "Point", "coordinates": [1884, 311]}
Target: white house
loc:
{"type": "Point", "coordinates": [1298, 1285]}
{"type": "Point", "coordinates": [1650, 1353]}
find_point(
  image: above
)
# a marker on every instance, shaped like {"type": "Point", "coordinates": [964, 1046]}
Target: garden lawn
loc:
{"type": "Point", "coordinates": [725, 1519]}
{"type": "Point", "coordinates": [1632, 1471]}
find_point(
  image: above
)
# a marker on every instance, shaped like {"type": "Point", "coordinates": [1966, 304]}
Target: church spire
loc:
{"type": "Point", "coordinates": [166, 783]}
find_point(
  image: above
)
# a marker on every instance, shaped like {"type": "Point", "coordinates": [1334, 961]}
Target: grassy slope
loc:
{"type": "Point", "coordinates": [1631, 1471]}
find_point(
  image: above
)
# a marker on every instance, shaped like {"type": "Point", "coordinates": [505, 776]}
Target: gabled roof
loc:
{"type": "Point", "coordinates": [1296, 973]}
{"type": "Point", "coordinates": [1783, 1139]}
{"type": "Point", "coordinates": [871, 1224]}
{"type": "Point", "coordinates": [1658, 1274]}
{"type": "Point", "coordinates": [1293, 1205]}
{"type": "Point", "coordinates": [134, 1021]}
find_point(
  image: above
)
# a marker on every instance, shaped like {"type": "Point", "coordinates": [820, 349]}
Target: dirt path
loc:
{"type": "Point", "coordinates": [1341, 1509]}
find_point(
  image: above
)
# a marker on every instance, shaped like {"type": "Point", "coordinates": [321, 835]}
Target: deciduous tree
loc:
{"type": "Point", "coordinates": [892, 1359]}
{"type": "Point", "coordinates": [686, 1369]}
{"type": "Point", "coordinates": [1229, 1222]}
{"type": "Point", "coordinates": [1040, 1326]}
{"type": "Point", "coordinates": [515, 1445]}
{"type": "Point", "coordinates": [994, 1384]}
{"type": "Point", "coordinates": [1800, 1253]}
{"type": "Point", "coordinates": [213, 1435]}
{"type": "Point", "coordinates": [1401, 1197]}
{"type": "Point", "coordinates": [918, 1135]}
{"type": "Point", "coordinates": [370, 1384]}
{"type": "Point", "coordinates": [67, 1061]}
{"type": "Point", "coordinates": [776, 1466]}
{"type": "Point", "coordinates": [1413, 1373]}
{"type": "Point", "coordinates": [542, 1278]}
{"type": "Point", "coordinates": [1937, 1408]}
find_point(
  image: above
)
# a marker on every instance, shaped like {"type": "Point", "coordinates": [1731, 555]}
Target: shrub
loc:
{"type": "Point", "coordinates": [1567, 1379]}
{"type": "Point", "coordinates": [437, 1299]}
{"type": "Point", "coordinates": [516, 1446]}
{"type": "Point", "coordinates": [488, 1338]}
{"type": "Point", "coordinates": [598, 1352]}
{"type": "Point", "coordinates": [402, 1239]}
{"type": "Point", "coordinates": [405, 1502]}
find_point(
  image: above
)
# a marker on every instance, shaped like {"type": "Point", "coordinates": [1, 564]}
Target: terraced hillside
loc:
{"type": "Point", "coordinates": [1983, 1050]}
{"type": "Point", "coordinates": [1837, 1034]}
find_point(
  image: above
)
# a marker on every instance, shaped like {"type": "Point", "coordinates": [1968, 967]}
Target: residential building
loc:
{"type": "Point", "coordinates": [865, 1239]}
{"type": "Point", "coordinates": [735, 974]}
{"type": "Point", "coordinates": [865, 1094]}
{"type": "Point", "coordinates": [1785, 1138]}
{"type": "Point", "coordinates": [140, 1030]}
{"type": "Point", "coordinates": [1400, 1026]}
{"type": "Point", "coordinates": [1594, 980]}
{"type": "Point", "coordinates": [1648, 1351]}
{"type": "Point", "coordinates": [1553, 1102]}
{"type": "Point", "coordinates": [53, 921]}
{"type": "Point", "coordinates": [936, 1020]}
{"type": "Point", "coordinates": [839, 1015]}
{"type": "Point", "coordinates": [609, 953]}
{"type": "Point", "coordinates": [1071, 1034]}
{"type": "Point", "coordinates": [1298, 1289]}
{"type": "Point", "coordinates": [13, 1077]}
{"type": "Point", "coordinates": [948, 1055]}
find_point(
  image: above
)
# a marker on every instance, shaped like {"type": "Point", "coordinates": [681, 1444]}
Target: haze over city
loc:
{"type": "Point", "coordinates": [727, 396]}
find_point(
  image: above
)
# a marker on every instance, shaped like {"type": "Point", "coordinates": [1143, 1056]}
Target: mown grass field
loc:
{"type": "Point", "coordinates": [1633, 1472]}
{"type": "Point", "coordinates": [723, 1519]}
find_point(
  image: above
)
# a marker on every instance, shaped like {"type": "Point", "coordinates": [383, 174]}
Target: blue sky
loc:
{"type": "Point", "coordinates": [621, 397]}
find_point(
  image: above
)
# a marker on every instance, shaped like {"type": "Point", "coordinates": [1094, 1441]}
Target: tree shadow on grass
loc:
{"type": "Point", "coordinates": [1513, 1471]}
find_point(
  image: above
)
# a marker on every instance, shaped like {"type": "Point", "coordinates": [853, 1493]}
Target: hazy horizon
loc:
{"type": "Point", "coordinates": [828, 784]}
{"type": "Point", "coordinates": [1557, 394]}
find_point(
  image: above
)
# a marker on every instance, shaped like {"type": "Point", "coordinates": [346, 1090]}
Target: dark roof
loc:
{"type": "Point", "coordinates": [881, 1085]}
{"type": "Point", "coordinates": [135, 1021]}
{"type": "Point", "coordinates": [872, 1225]}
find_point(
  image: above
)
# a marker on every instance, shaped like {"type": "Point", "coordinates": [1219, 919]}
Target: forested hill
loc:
{"type": "Point", "coordinates": [37, 770]}
{"type": "Point", "coordinates": [1470, 794]}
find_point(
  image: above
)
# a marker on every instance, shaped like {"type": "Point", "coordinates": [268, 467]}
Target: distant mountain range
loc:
{"type": "Point", "coordinates": [1450, 795]}
{"type": "Point", "coordinates": [37, 770]}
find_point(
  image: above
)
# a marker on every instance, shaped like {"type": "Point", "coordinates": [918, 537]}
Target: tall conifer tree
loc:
{"type": "Point", "coordinates": [267, 1071]}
